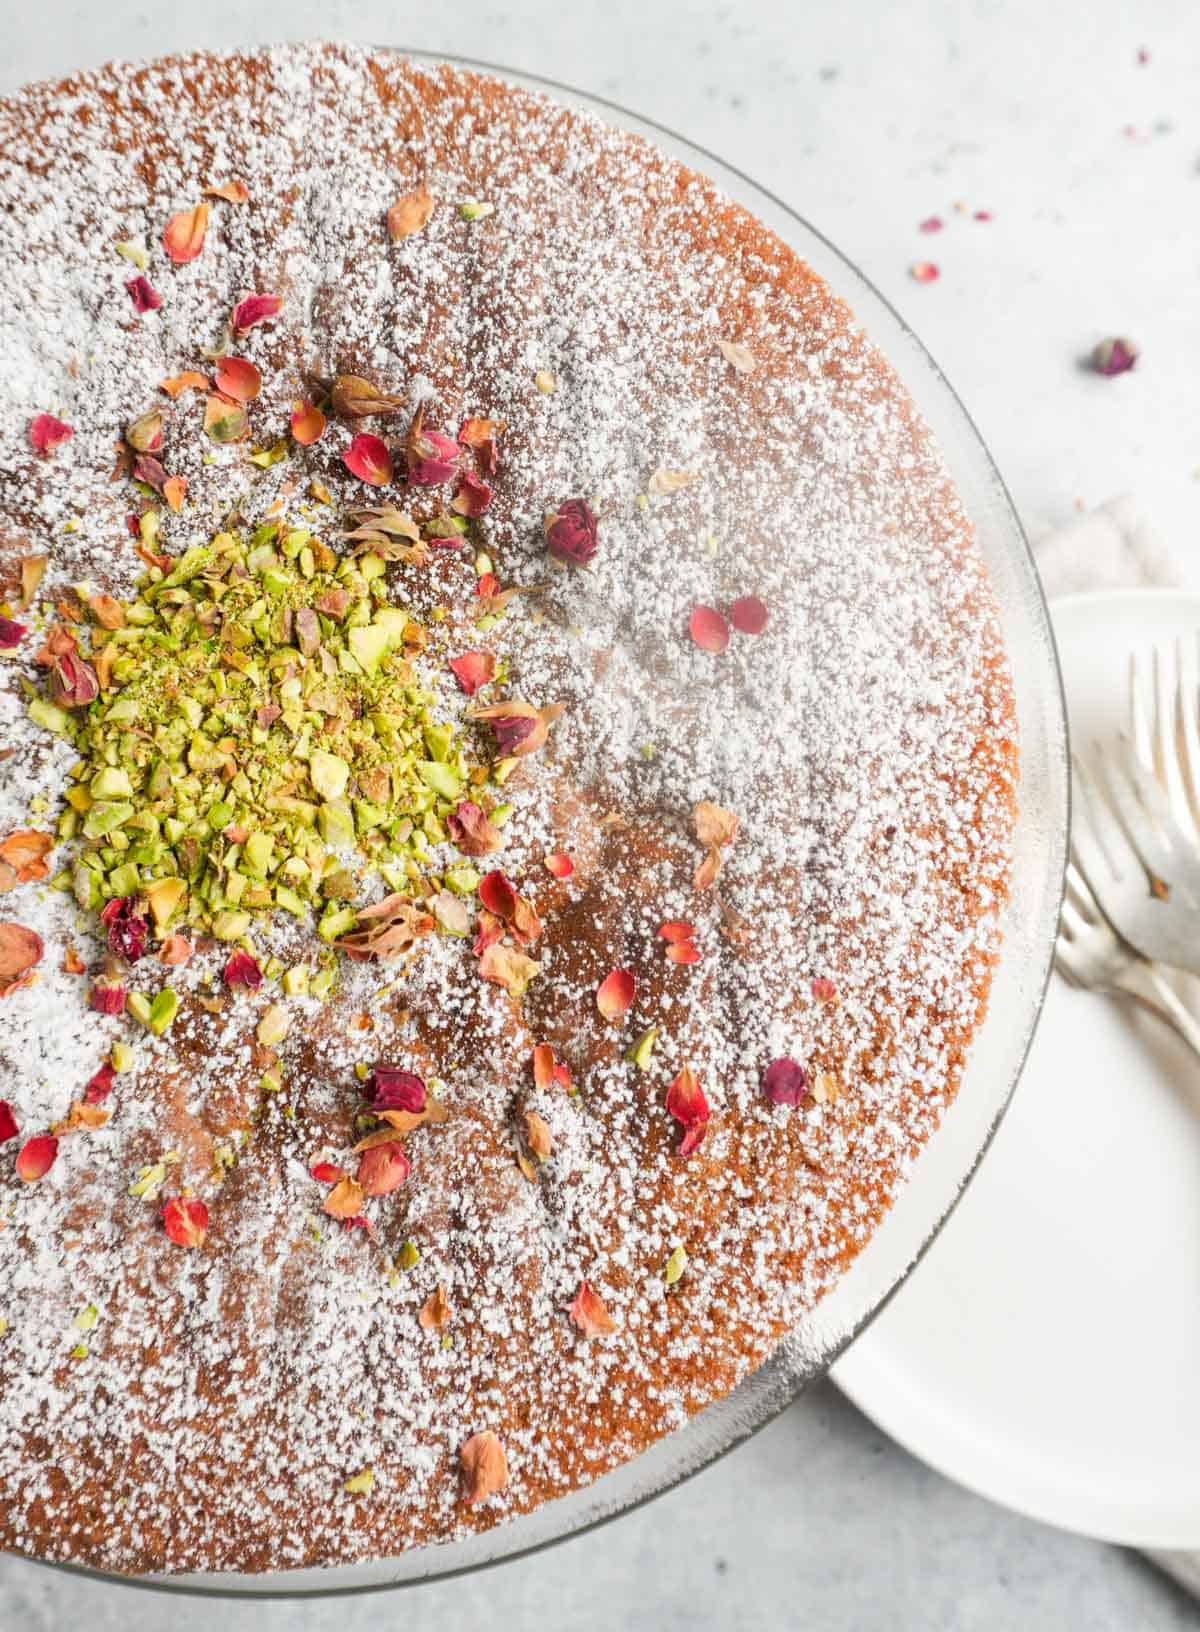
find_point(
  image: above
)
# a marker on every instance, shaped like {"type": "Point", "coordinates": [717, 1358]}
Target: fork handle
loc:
{"type": "Point", "coordinates": [1143, 981]}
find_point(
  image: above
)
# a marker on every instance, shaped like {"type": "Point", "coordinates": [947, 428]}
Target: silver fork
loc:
{"type": "Point", "coordinates": [1164, 722]}
{"type": "Point", "coordinates": [1142, 867]}
{"type": "Point", "coordinates": [1090, 954]}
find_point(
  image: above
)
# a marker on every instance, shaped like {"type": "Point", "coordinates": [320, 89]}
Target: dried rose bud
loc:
{"type": "Point", "coordinates": [572, 532]}
{"type": "Point", "coordinates": [144, 296]}
{"type": "Point", "coordinates": [785, 1082]}
{"type": "Point", "coordinates": [391, 1089]}
{"type": "Point", "coordinates": [1114, 356]}
{"type": "Point", "coordinates": [243, 970]}
{"type": "Point", "coordinates": [125, 919]}
{"type": "Point", "coordinates": [47, 433]}
{"type": "Point", "coordinates": [73, 682]}
{"type": "Point", "coordinates": [356, 398]}
{"type": "Point", "coordinates": [11, 634]}
{"type": "Point", "coordinates": [108, 995]}
{"type": "Point", "coordinates": [431, 457]}
{"type": "Point", "coordinates": [145, 434]}
{"type": "Point", "coordinates": [517, 726]}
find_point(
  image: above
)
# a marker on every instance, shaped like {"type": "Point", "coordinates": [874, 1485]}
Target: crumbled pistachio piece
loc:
{"type": "Point", "coordinates": [163, 1011]}
{"type": "Point", "coordinates": [87, 1318]}
{"type": "Point", "coordinates": [408, 1257]}
{"type": "Point", "coordinates": [121, 1058]}
{"type": "Point", "coordinates": [675, 1265]}
{"type": "Point", "coordinates": [274, 1025]}
{"type": "Point", "coordinates": [362, 1483]}
{"type": "Point", "coordinates": [471, 209]}
{"type": "Point", "coordinates": [641, 1052]}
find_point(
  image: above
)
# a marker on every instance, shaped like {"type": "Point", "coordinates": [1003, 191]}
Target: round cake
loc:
{"type": "Point", "coordinates": [506, 785]}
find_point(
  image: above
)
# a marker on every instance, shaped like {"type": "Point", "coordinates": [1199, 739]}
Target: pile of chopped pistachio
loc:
{"type": "Point", "coordinates": [258, 736]}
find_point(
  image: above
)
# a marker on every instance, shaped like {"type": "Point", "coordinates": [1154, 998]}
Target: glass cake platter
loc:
{"type": "Point", "coordinates": [998, 1052]}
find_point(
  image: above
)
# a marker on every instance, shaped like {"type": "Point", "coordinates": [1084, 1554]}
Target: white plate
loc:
{"type": "Point", "coordinates": [1047, 1351]}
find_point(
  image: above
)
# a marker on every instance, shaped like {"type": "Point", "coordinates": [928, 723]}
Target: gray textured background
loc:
{"type": "Point", "coordinates": [867, 118]}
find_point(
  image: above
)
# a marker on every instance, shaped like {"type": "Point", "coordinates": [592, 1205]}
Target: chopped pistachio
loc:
{"type": "Point", "coordinates": [408, 1257]}
{"type": "Point", "coordinates": [139, 1007]}
{"type": "Point", "coordinates": [471, 209]}
{"type": "Point", "coordinates": [163, 1011]}
{"type": "Point", "coordinates": [362, 1483]}
{"type": "Point", "coordinates": [675, 1265]}
{"type": "Point", "coordinates": [642, 1050]}
{"type": "Point", "coordinates": [87, 1318]}
{"type": "Point", "coordinates": [274, 1025]}
{"type": "Point", "coordinates": [121, 1058]}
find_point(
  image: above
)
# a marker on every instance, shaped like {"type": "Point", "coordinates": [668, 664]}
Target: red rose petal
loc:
{"type": "Point", "coordinates": [824, 990]}
{"type": "Point", "coordinates": [36, 1157]}
{"type": "Point", "coordinates": [327, 1172]}
{"type": "Point", "coordinates": [308, 423]}
{"type": "Point", "coordinates": [683, 952]}
{"type": "Point", "coordinates": [367, 458]}
{"type": "Point", "coordinates": [8, 1122]}
{"type": "Point", "coordinates": [785, 1082]}
{"type": "Point", "coordinates": [488, 585]}
{"type": "Point", "coordinates": [708, 629]}
{"type": "Point", "coordinates": [11, 634]}
{"type": "Point", "coordinates": [924, 272]}
{"type": "Point", "coordinates": [243, 970]}
{"type": "Point", "coordinates": [47, 433]}
{"type": "Point", "coordinates": [589, 1312]}
{"type": "Point", "coordinates": [614, 995]}
{"type": "Point", "coordinates": [748, 615]}
{"type": "Point", "coordinates": [677, 929]}
{"type": "Point", "coordinates": [255, 309]}
{"type": "Point", "coordinates": [184, 236]}
{"type": "Point", "coordinates": [559, 864]}
{"type": "Point", "coordinates": [145, 298]}
{"type": "Point", "coordinates": [471, 496]}
{"type": "Point", "coordinates": [99, 1085]}
{"type": "Point", "coordinates": [383, 1168]}
{"type": "Point", "coordinates": [391, 1089]}
{"type": "Point", "coordinates": [686, 1101]}
{"type": "Point", "coordinates": [237, 378]}
{"type": "Point", "coordinates": [474, 669]}
{"type": "Point", "coordinates": [932, 223]}
{"type": "Point", "coordinates": [498, 895]}
{"type": "Point", "coordinates": [108, 997]}
{"type": "Point", "coordinates": [185, 1219]}
{"type": "Point", "coordinates": [543, 1066]}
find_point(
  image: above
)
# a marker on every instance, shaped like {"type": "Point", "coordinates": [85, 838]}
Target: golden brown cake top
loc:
{"type": "Point", "coordinates": [784, 628]}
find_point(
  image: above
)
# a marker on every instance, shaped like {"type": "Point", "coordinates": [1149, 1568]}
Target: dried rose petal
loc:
{"type": "Point", "coordinates": [471, 496]}
{"type": "Point", "coordinates": [36, 1157]}
{"type": "Point", "coordinates": [173, 490]}
{"type": "Point", "coordinates": [185, 1219]}
{"type": "Point", "coordinates": [144, 296]}
{"type": "Point", "coordinates": [473, 670]}
{"type": "Point", "coordinates": [11, 634]}
{"type": "Point", "coordinates": [487, 586]}
{"type": "Point", "coordinates": [708, 629]}
{"type": "Point", "coordinates": [176, 949]}
{"type": "Point", "coordinates": [391, 1089]}
{"type": "Point", "coordinates": [614, 995]}
{"type": "Point", "coordinates": [108, 995]}
{"type": "Point", "coordinates": [184, 236]}
{"type": "Point", "coordinates": [47, 433]}
{"type": "Point", "coordinates": [785, 1082]}
{"type": "Point", "coordinates": [356, 398]}
{"type": "Point", "coordinates": [924, 272]}
{"type": "Point", "coordinates": [383, 1169]}
{"type": "Point", "coordinates": [480, 436]}
{"type": "Point", "coordinates": [367, 458]}
{"type": "Point", "coordinates": [484, 1467]}
{"type": "Point", "coordinates": [683, 952]}
{"type": "Point", "coordinates": [436, 1313]}
{"type": "Point", "coordinates": [253, 310]}
{"type": "Point", "coordinates": [738, 356]}
{"type": "Point", "coordinates": [99, 1085]}
{"type": "Point", "coordinates": [677, 929]}
{"type": "Point", "coordinates": [932, 223]}
{"type": "Point", "coordinates": [308, 423]}
{"type": "Point", "coordinates": [508, 968]}
{"type": "Point", "coordinates": [327, 1172]}
{"type": "Point", "coordinates": [471, 831]}
{"type": "Point", "coordinates": [558, 864]}
{"type": "Point", "coordinates": [572, 532]}
{"type": "Point", "coordinates": [345, 1199]}
{"type": "Point", "coordinates": [543, 1065]}
{"type": "Point", "coordinates": [224, 420]}
{"type": "Point", "coordinates": [687, 1104]}
{"type": "Point", "coordinates": [8, 1122]}
{"type": "Point", "coordinates": [125, 919]}
{"type": "Point", "coordinates": [1114, 356]}
{"type": "Point", "coordinates": [498, 895]}
{"type": "Point", "coordinates": [409, 214]}
{"type": "Point", "coordinates": [233, 192]}
{"type": "Point", "coordinates": [243, 970]}
{"type": "Point", "coordinates": [713, 824]}
{"type": "Point", "coordinates": [748, 615]}
{"type": "Point", "coordinates": [431, 458]}
{"type": "Point", "coordinates": [23, 855]}
{"type": "Point", "coordinates": [589, 1312]}
{"type": "Point", "coordinates": [824, 990]}
{"type": "Point", "coordinates": [237, 378]}
{"type": "Point", "coordinates": [21, 950]}
{"type": "Point", "coordinates": [179, 383]}
{"type": "Point", "coordinates": [538, 1136]}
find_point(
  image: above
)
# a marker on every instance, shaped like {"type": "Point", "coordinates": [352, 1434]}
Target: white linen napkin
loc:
{"type": "Point", "coordinates": [1112, 548]}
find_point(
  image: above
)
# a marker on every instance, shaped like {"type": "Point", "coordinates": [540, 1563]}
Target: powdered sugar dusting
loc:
{"type": "Point", "coordinates": [228, 1393]}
